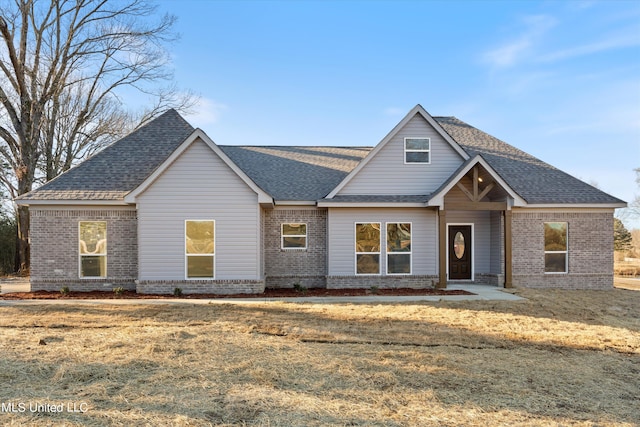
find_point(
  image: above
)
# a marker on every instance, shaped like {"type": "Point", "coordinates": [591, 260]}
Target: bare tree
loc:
{"type": "Point", "coordinates": [634, 207]}
{"type": "Point", "coordinates": [65, 66]}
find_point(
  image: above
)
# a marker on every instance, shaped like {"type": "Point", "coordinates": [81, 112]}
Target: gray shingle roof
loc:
{"type": "Point", "coordinates": [534, 180]}
{"type": "Point", "coordinates": [122, 166]}
{"type": "Point", "coordinates": [296, 173]}
{"type": "Point", "coordinates": [299, 173]}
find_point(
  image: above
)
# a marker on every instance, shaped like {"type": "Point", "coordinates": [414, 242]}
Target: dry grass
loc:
{"type": "Point", "coordinates": [559, 358]}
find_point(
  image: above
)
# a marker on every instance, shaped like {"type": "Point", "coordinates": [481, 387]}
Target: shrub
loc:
{"type": "Point", "coordinates": [299, 288]}
{"type": "Point", "coordinates": [118, 291]}
{"type": "Point", "coordinates": [177, 292]}
{"type": "Point", "coordinates": [64, 290]}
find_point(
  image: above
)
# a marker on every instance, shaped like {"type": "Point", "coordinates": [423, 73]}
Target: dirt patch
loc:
{"type": "Point", "coordinates": [556, 358]}
{"type": "Point", "coordinates": [268, 293]}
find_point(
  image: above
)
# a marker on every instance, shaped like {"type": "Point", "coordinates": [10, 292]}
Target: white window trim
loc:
{"type": "Point", "coordinates": [566, 252]}
{"type": "Point", "coordinates": [80, 254]}
{"type": "Point", "coordinates": [416, 151]}
{"type": "Point", "coordinates": [387, 253]}
{"type": "Point", "coordinates": [282, 236]}
{"type": "Point", "coordinates": [186, 256]}
{"type": "Point", "coordinates": [379, 253]}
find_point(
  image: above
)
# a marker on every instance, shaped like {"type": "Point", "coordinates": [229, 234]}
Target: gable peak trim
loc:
{"type": "Point", "coordinates": [437, 199]}
{"type": "Point", "coordinates": [198, 134]}
{"type": "Point", "coordinates": [417, 110]}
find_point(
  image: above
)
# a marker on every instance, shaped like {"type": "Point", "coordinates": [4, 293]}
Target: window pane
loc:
{"type": "Point", "coordinates": [417, 157]}
{"type": "Point", "coordinates": [368, 264]}
{"type": "Point", "coordinates": [199, 267]}
{"type": "Point", "coordinates": [416, 144]}
{"type": "Point", "coordinates": [294, 242]}
{"type": "Point", "coordinates": [555, 263]}
{"type": "Point", "coordinates": [398, 237]}
{"type": "Point", "coordinates": [399, 264]}
{"type": "Point", "coordinates": [93, 237]}
{"type": "Point", "coordinates": [555, 236]}
{"type": "Point", "coordinates": [93, 266]}
{"type": "Point", "coordinates": [458, 245]}
{"type": "Point", "coordinates": [200, 237]}
{"type": "Point", "coordinates": [368, 237]}
{"type": "Point", "coordinates": [294, 229]}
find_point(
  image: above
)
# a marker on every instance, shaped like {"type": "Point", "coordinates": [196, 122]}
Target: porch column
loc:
{"type": "Point", "coordinates": [508, 278]}
{"type": "Point", "coordinates": [442, 249]}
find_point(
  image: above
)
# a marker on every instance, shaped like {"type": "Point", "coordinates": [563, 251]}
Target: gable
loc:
{"type": "Point", "coordinates": [198, 173]}
{"type": "Point", "coordinates": [386, 172]}
{"type": "Point", "coordinates": [195, 169]}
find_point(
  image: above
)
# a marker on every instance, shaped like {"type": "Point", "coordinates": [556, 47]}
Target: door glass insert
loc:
{"type": "Point", "coordinates": [458, 245]}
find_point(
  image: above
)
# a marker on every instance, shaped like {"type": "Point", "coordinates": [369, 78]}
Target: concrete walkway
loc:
{"type": "Point", "coordinates": [482, 292]}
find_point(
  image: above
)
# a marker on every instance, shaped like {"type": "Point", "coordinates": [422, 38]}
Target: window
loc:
{"type": "Point", "coordinates": [398, 248]}
{"type": "Point", "coordinates": [417, 150]}
{"type": "Point", "coordinates": [368, 248]}
{"type": "Point", "coordinates": [555, 247]}
{"type": "Point", "coordinates": [294, 236]}
{"type": "Point", "coordinates": [200, 249]}
{"type": "Point", "coordinates": [93, 248]}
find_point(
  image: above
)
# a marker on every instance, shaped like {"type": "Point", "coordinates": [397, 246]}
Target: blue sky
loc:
{"type": "Point", "coordinates": [558, 79]}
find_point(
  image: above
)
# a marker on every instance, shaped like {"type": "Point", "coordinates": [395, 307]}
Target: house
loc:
{"type": "Point", "coordinates": [437, 201]}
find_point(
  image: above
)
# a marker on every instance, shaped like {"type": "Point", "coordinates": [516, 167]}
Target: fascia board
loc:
{"type": "Point", "coordinates": [59, 202]}
{"type": "Point", "coordinates": [577, 205]}
{"type": "Point", "coordinates": [329, 204]}
{"type": "Point", "coordinates": [295, 202]}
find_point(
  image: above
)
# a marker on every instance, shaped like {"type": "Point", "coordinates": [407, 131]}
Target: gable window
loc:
{"type": "Point", "coordinates": [368, 248]}
{"type": "Point", "coordinates": [417, 150]}
{"type": "Point", "coordinates": [398, 248]}
{"type": "Point", "coordinates": [93, 248]}
{"type": "Point", "coordinates": [200, 249]}
{"type": "Point", "coordinates": [555, 247]}
{"type": "Point", "coordinates": [294, 236]}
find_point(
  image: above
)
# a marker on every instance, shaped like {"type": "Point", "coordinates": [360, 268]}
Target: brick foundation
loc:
{"type": "Point", "coordinates": [221, 287]}
{"type": "Point", "coordinates": [382, 282]}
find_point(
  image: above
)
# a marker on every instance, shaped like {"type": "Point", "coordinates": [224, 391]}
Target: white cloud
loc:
{"type": "Point", "coordinates": [514, 51]}
{"type": "Point", "coordinates": [205, 112]}
{"type": "Point", "coordinates": [611, 43]}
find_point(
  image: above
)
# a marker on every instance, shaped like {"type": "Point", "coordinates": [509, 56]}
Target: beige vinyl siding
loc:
{"type": "Point", "coordinates": [199, 186]}
{"type": "Point", "coordinates": [424, 242]}
{"type": "Point", "coordinates": [387, 173]}
{"type": "Point", "coordinates": [481, 221]}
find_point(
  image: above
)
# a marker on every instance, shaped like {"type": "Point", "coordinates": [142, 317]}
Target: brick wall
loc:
{"type": "Point", "coordinates": [590, 250]}
{"type": "Point", "coordinates": [54, 249]}
{"type": "Point", "coordinates": [221, 287]}
{"type": "Point", "coordinates": [286, 267]}
{"type": "Point", "coordinates": [382, 282]}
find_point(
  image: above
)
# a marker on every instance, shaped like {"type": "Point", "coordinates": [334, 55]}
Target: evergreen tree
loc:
{"type": "Point", "coordinates": [621, 236]}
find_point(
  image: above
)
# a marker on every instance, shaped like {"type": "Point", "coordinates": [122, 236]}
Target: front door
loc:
{"type": "Point", "coordinates": [459, 252]}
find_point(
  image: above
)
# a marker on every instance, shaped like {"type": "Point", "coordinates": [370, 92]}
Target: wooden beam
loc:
{"type": "Point", "coordinates": [485, 191]}
{"type": "Point", "coordinates": [465, 191]}
{"type": "Point", "coordinates": [475, 184]}
{"type": "Point", "coordinates": [476, 206]}
{"type": "Point", "coordinates": [442, 249]}
{"type": "Point", "coordinates": [508, 274]}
